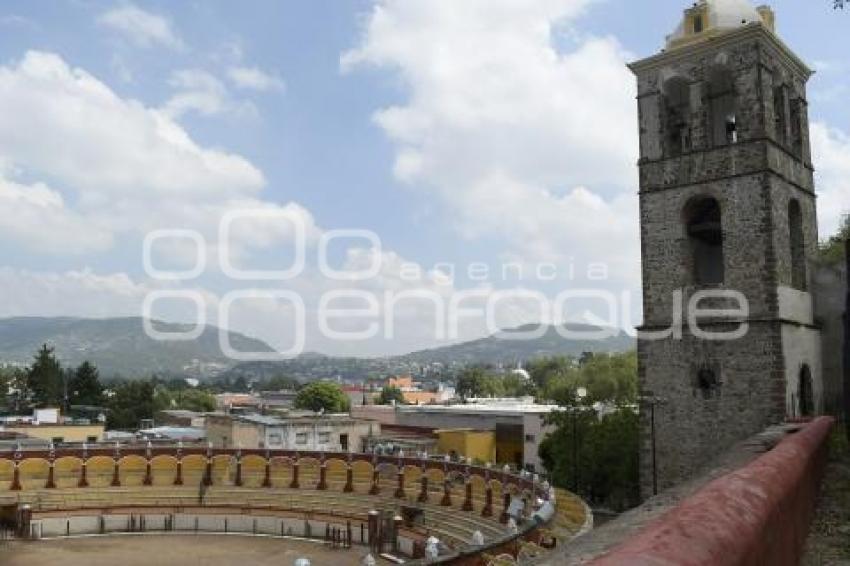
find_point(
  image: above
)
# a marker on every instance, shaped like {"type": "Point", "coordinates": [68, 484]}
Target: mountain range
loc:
{"type": "Point", "coordinates": [120, 346]}
{"type": "Point", "coordinates": [495, 350]}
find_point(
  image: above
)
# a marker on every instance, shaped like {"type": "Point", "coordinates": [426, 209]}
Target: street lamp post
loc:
{"type": "Point", "coordinates": [581, 393]}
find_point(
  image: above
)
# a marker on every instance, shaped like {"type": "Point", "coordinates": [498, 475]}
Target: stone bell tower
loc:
{"type": "Point", "coordinates": [728, 223]}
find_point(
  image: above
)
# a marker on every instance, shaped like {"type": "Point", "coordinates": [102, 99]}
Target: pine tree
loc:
{"type": "Point", "coordinates": [45, 379]}
{"type": "Point", "coordinates": [85, 387]}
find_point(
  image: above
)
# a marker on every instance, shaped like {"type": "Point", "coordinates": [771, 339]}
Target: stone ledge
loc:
{"type": "Point", "coordinates": [602, 540]}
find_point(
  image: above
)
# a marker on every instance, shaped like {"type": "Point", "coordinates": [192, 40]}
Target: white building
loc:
{"type": "Point", "coordinates": [299, 431]}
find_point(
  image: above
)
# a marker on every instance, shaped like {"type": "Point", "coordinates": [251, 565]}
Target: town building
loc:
{"type": "Point", "coordinates": [477, 445]}
{"type": "Point", "coordinates": [359, 394]}
{"type": "Point", "coordinates": [415, 394]}
{"type": "Point", "coordinates": [49, 425]}
{"type": "Point", "coordinates": [517, 425]}
{"type": "Point", "coordinates": [230, 402]}
{"type": "Point", "coordinates": [299, 431]}
{"type": "Point", "coordinates": [179, 418]}
{"type": "Point", "coordinates": [58, 433]}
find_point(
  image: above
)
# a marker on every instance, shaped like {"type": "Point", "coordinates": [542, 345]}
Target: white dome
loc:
{"type": "Point", "coordinates": [522, 373]}
{"type": "Point", "coordinates": [719, 15]}
{"type": "Point", "coordinates": [731, 13]}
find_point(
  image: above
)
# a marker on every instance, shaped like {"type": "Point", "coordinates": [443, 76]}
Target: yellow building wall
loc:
{"type": "Point", "coordinates": [476, 444]}
{"type": "Point", "coordinates": [419, 397]}
{"type": "Point", "coordinates": [510, 452]}
{"type": "Point", "coordinates": [68, 433]}
{"type": "Point", "coordinates": [400, 381]}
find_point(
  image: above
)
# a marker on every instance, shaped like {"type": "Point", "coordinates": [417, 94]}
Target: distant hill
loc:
{"type": "Point", "coordinates": [492, 350]}
{"type": "Point", "coordinates": [119, 346]}
{"type": "Point", "coordinates": [507, 348]}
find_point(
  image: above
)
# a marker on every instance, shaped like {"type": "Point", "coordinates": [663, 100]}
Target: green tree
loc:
{"type": "Point", "coordinates": [475, 382]}
{"type": "Point", "coordinates": [84, 387]}
{"type": "Point", "coordinates": [389, 395]}
{"type": "Point", "coordinates": [322, 396]}
{"type": "Point", "coordinates": [280, 383]}
{"type": "Point", "coordinates": [192, 399]}
{"type": "Point", "coordinates": [603, 460]}
{"type": "Point", "coordinates": [240, 385]}
{"type": "Point", "coordinates": [546, 371]}
{"type": "Point", "coordinates": [129, 403]}
{"type": "Point", "coordinates": [607, 378]}
{"type": "Point", "coordinates": [45, 379]}
{"type": "Point", "coordinates": [6, 379]}
{"type": "Point", "coordinates": [17, 397]}
{"type": "Point", "coordinates": [832, 250]}
{"type": "Point", "coordinates": [513, 385]}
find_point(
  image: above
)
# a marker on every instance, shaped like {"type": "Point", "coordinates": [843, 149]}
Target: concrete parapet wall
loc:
{"type": "Point", "coordinates": [98, 523]}
{"type": "Point", "coordinates": [758, 514]}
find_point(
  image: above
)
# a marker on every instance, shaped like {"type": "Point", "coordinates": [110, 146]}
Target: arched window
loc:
{"type": "Point", "coordinates": [707, 382]}
{"type": "Point", "coordinates": [806, 394]}
{"type": "Point", "coordinates": [722, 111]}
{"type": "Point", "coordinates": [797, 127]}
{"type": "Point", "coordinates": [780, 118]}
{"type": "Point", "coordinates": [677, 115]}
{"type": "Point", "coordinates": [705, 239]}
{"type": "Point", "coordinates": [798, 245]}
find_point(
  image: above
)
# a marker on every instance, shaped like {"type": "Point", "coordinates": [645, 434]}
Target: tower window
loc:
{"type": "Point", "coordinates": [705, 239]}
{"type": "Point", "coordinates": [780, 120]}
{"type": "Point", "coordinates": [677, 114]}
{"type": "Point", "coordinates": [797, 127]}
{"type": "Point", "coordinates": [698, 23]}
{"type": "Point", "coordinates": [798, 245]}
{"type": "Point", "coordinates": [722, 111]}
{"type": "Point", "coordinates": [707, 382]}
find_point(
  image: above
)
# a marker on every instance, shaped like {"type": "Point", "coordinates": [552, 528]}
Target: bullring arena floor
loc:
{"type": "Point", "coordinates": [174, 550]}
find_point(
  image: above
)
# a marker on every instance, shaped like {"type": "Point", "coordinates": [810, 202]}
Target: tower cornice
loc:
{"type": "Point", "coordinates": [712, 43]}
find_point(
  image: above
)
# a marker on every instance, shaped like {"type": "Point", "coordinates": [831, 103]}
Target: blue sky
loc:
{"type": "Point", "coordinates": [457, 131]}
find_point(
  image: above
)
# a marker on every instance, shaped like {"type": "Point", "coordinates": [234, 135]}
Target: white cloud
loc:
{"type": "Point", "coordinates": [102, 142]}
{"type": "Point", "coordinates": [253, 78]}
{"type": "Point", "coordinates": [72, 293]}
{"type": "Point", "coordinates": [521, 141]}
{"type": "Point", "coordinates": [200, 91]}
{"type": "Point", "coordinates": [144, 29]}
{"type": "Point", "coordinates": [831, 155]}
{"type": "Point", "coordinates": [36, 216]}
{"type": "Point", "coordinates": [115, 165]}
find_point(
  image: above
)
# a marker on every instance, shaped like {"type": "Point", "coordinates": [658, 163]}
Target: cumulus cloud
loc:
{"type": "Point", "coordinates": [254, 78]}
{"type": "Point", "coordinates": [119, 169]}
{"type": "Point", "coordinates": [102, 142]}
{"type": "Point", "coordinates": [522, 141]}
{"type": "Point", "coordinates": [202, 92]}
{"type": "Point", "coordinates": [36, 217]}
{"type": "Point", "coordinates": [115, 165]}
{"type": "Point", "coordinates": [71, 293]}
{"type": "Point", "coordinates": [142, 28]}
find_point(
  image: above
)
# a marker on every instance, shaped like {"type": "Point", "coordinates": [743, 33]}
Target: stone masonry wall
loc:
{"type": "Point", "coordinates": [753, 180]}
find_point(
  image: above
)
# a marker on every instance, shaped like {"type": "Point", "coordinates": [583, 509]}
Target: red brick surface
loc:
{"type": "Point", "coordinates": [757, 515]}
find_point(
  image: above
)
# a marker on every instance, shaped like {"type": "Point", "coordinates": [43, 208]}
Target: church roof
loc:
{"type": "Point", "coordinates": [710, 17]}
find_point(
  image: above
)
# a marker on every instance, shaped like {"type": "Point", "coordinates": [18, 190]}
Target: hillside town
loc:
{"type": "Point", "coordinates": [424, 282]}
